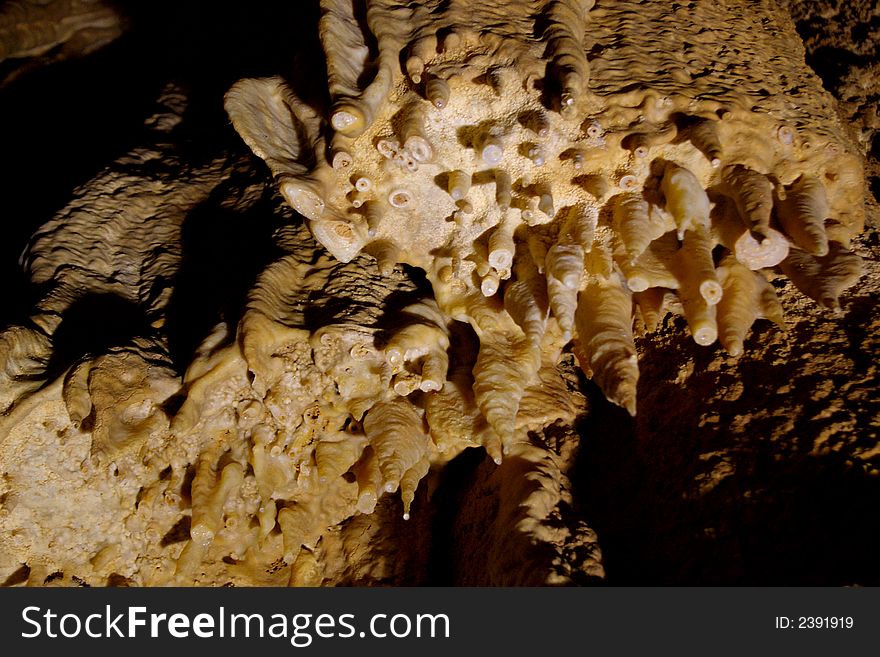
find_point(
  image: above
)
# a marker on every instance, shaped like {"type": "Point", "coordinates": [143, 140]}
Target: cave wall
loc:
{"type": "Point", "coordinates": [755, 469]}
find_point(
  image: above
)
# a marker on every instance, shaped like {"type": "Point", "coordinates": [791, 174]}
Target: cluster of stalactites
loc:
{"type": "Point", "coordinates": [429, 39]}
{"type": "Point", "coordinates": [480, 156]}
{"type": "Point", "coordinates": [462, 139]}
{"type": "Point", "coordinates": [329, 419]}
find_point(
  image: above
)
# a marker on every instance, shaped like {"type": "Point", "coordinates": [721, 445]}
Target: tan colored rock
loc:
{"type": "Point", "coordinates": [489, 92]}
{"type": "Point", "coordinates": [476, 196]}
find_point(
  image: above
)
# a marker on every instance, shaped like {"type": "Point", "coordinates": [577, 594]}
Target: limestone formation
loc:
{"type": "Point", "coordinates": [469, 149]}
{"type": "Point", "coordinates": [495, 190]}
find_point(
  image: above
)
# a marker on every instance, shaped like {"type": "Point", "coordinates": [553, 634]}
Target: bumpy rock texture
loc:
{"type": "Point", "coordinates": [479, 204]}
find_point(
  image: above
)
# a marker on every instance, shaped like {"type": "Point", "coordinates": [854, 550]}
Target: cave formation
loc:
{"type": "Point", "coordinates": [364, 292]}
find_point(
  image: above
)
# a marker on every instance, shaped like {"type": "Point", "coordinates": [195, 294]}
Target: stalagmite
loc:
{"type": "Point", "coordinates": [437, 92]}
{"type": "Point", "coordinates": [756, 251]}
{"type": "Point", "coordinates": [633, 225]}
{"type": "Point", "coordinates": [803, 213]}
{"type": "Point", "coordinates": [823, 278]}
{"type": "Point", "coordinates": [564, 266]}
{"type": "Point", "coordinates": [686, 200]}
{"type": "Point", "coordinates": [394, 430]}
{"type": "Point", "coordinates": [503, 192]}
{"type": "Point", "coordinates": [753, 194]}
{"type": "Point", "coordinates": [604, 327]}
{"type": "Point", "coordinates": [459, 184]}
{"type": "Point", "coordinates": [747, 296]}
{"type": "Point", "coordinates": [412, 133]}
{"type": "Point", "coordinates": [703, 133]}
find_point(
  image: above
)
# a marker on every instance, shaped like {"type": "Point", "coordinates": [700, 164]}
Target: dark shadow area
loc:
{"type": "Point", "coordinates": [378, 301]}
{"type": "Point", "coordinates": [62, 125]}
{"type": "Point", "coordinates": [65, 122]}
{"type": "Point", "coordinates": [118, 581]}
{"type": "Point", "coordinates": [91, 326]}
{"type": "Point", "coordinates": [19, 576]}
{"type": "Point", "coordinates": [178, 533]}
{"type": "Point", "coordinates": [393, 317]}
{"type": "Point", "coordinates": [608, 480]}
{"type": "Point", "coordinates": [447, 501]}
{"type": "Point", "coordinates": [222, 253]}
{"type": "Point", "coordinates": [207, 47]}
{"type": "Point", "coordinates": [51, 577]}
{"type": "Point", "coordinates": [831, 64]}
{"type": "Point", "coordinates": [719, 481]}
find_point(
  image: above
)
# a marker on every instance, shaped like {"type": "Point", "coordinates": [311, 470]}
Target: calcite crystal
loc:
{"type": "Point", "coordinates": [491, 187]}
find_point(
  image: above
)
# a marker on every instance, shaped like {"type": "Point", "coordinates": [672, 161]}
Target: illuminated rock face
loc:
{"type": "Point", "coordinates": [546, 195]}
{"type": "Point", "coordinates": [493, 187]}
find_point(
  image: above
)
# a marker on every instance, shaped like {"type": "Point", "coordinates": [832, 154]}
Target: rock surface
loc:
{"type": "Point", "coordinates": [762, 469]}
{"type": "Point", "coordinates": [195, 392]}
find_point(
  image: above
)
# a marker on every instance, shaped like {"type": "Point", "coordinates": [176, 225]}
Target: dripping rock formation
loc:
{"type": "Point", "coordinates": [494, 293]}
